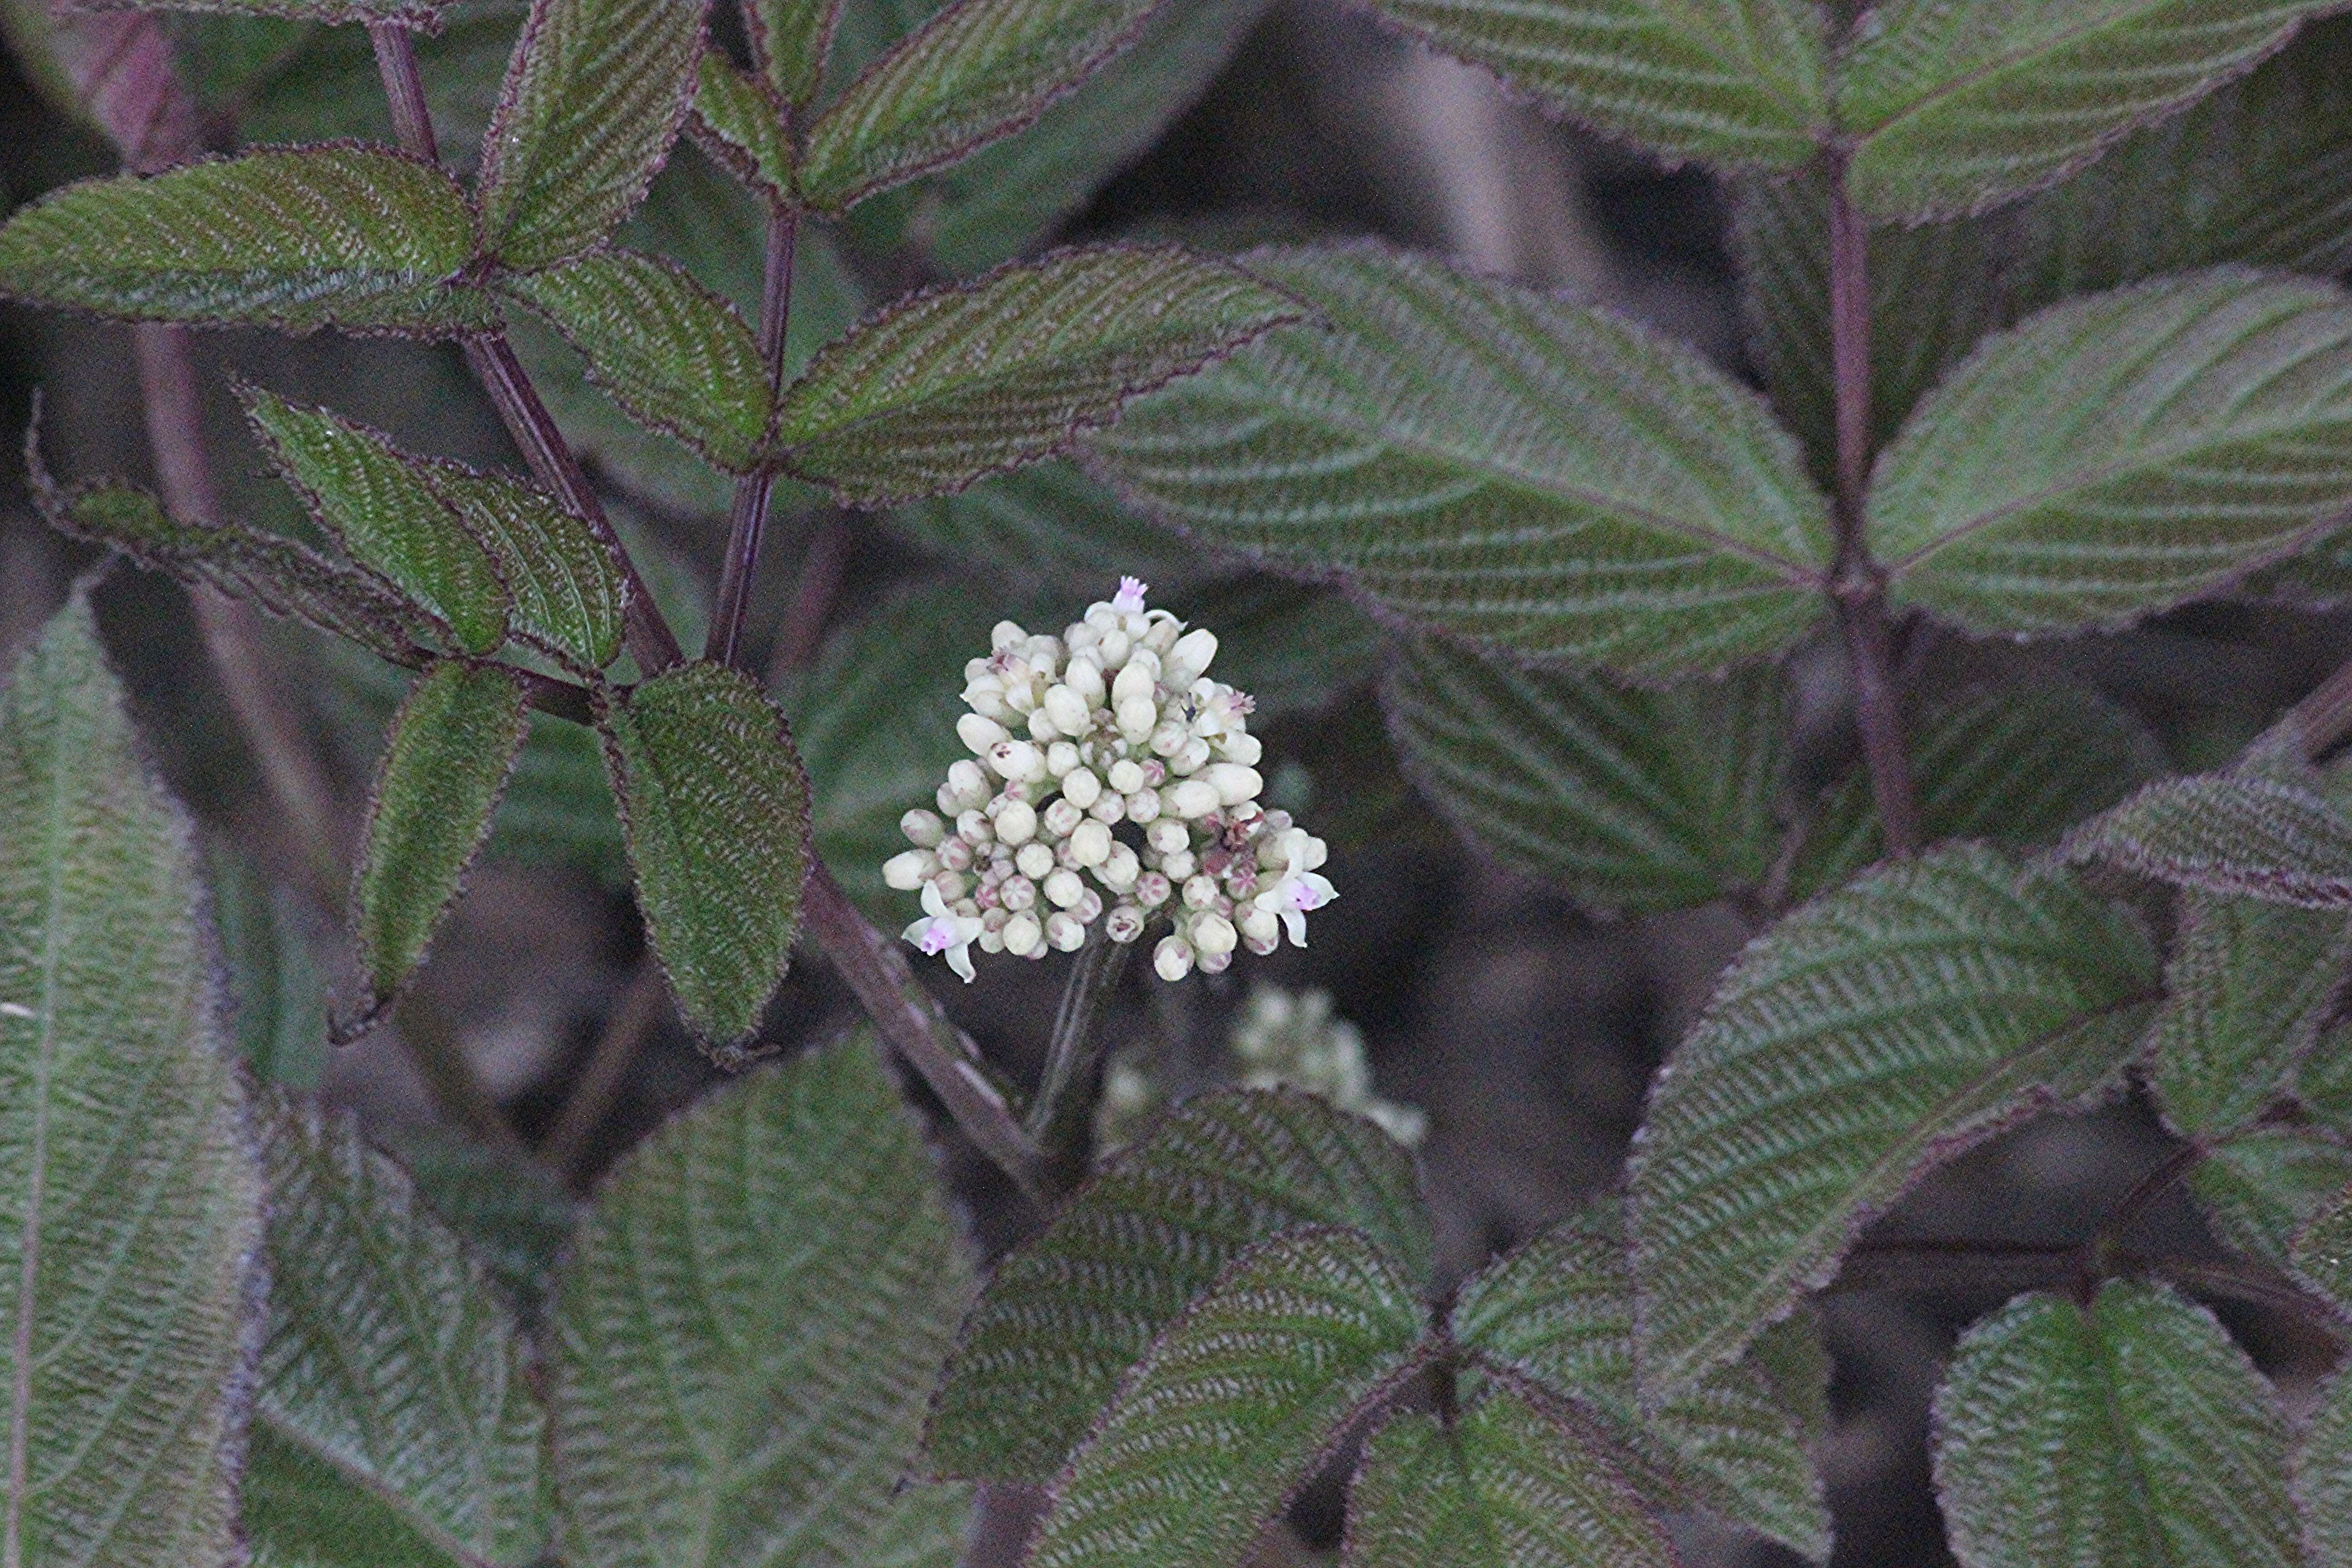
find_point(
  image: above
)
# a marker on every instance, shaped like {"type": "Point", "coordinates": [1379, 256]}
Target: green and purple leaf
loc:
{"type": "Point", "coordinates": [741, 126]}
{"type": "Point", "coordinates": [2240, 837]}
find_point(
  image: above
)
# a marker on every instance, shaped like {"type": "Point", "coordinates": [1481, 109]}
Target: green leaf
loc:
{"type": "Point", "coordinates": [1069, 1311]}
{"type": "Point", "coordinates": [1234, 1405]}
{"type": "Point", "coordinates": [1487, 459]}
{"type": "Point", "coordinates": [1955, 109]}
{"type": "Point", "coordinates": [741, 126]}
{"type": "Point", "coordinates": [417, 15]}
{"type": "Point", "coordinates": [1505, 1486]}
{"type": "Point", "coordinates": [1629, 798]}
{"type": "Point", "coordinates": [2132, 1435]}
{"type": "Point", "coordinates": [2248, 988]}
{"type": "Point", "coordinates": [567, 588]}
{"type": "Point", "coordinates": [505, 1206]}
{"type": "Point", "coordinates": [384, 516]}
{"type": "Point", "coordinates": [2323, 1080]}
{"type": "Point", "coordinates": [2119, 454]}
{"type": "Point", "coordinates": [2321, 1254]}
{"type": "Point", "coordinates": [716, 811]}
{"type": "Point", "coordinates": [1872, 1035]}
{"type": "Point", "coordinates": [356, 237]}
{"type": "Point", "coordinates": [2323, 1477]}
{"type": "Point", "coordinates": [132, 1199]}
{"type": "Point", "coordinates": [1559, 1311]}
{"type": "Point", "coordinates": [395, 1422]}
{"type": "Point", "coordinates": [593, 99]}
{"type": "Point", "coordinates": [276, 989]}
{"type": "Point", "coordinates": [453, 743]}
{"type": "Point", "coordinates": [978, 70]}
{"type": "Point", "coordinates": [672, 353]}
{"type": "Point", "coordinates": [1050, 521]}
{"type": "Point", "coordinates": [2247, 837]}
{"type": "Point", "coordinates": [968, 380]}
{"type": "Point", "coordinates": [1738, 82]}
{"type": "Point", "coordinates": [2262, 1186]}
{"type": "Point", "coordinates": [749, 1325]}
{"type": "Point", "coordinates": [2014, 765]}
{"type": "Point", "coordinates": [792, 38]}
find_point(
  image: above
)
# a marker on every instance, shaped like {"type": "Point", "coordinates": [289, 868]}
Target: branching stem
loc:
{"type": "Point", "coordinates": [748, 525]}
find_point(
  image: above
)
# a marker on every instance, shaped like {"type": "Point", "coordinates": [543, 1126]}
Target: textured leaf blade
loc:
{"type": "Point", "coordinates": [1559, 1311]}
{"type": "Point", "coordinates": [593, 96]}
{"type": "Point", "coordinates": [1048, 521]}
{"type": "Point", "coordinates": [372, 502]}
{"type": "Point", "coordinates": [749, 1325]}
{"type": "Point", "coordinates": [1736, 83]}
{"type": "Point", "coordinates": [715, 809]}
{"type": "Point", "coordinates": [2246, 838]}
{"type": "Point", "coordinates": [567, 588]}
{"type": "Point", "coordinates": [978, 70]}
{"type": "Point", "coordinates": [2119, 454]}
{"type": "Point", "coordinates": [132, 1198]}
{"type": "Point", "coordinates": [356, 238]}
{"type": "Point", "coordinates": [1631, 798]}
{"type": "Point", "coordinates": [2247, 989]}
{"type": "Point", "coordinates": [1234, 1407]}
{"type": "Point", "coordinates": [2260, 1189]}
{"type": "Point", "coordinates": [792, 39]}
{"type": "Point", "coordinates": [2129, 1434]}
{"type": "Point", "coordinates": [1872, 1035]}
{"type": "Point", "coordinates": [453, 743]}
{"type": "Point", "coordinates": [1507, 1487]}
{"type": "Point", "coordinates": [740, 126]}
{"type": "Point", "coordinates": [394, 1421]}
{"type": "Point", "coordinates": [1067, 1313]}
{"type": "Point", "coordinates": [1485, 459]}
{"type": "Point", "coordinates": [672, 353]}
{"type": "Point", "coordinates": [2322, 1478]}
{"type": "Point", "coordinates": [937, 391]}
{"type": "Point", "coordinates": [1957, 107]}
{"type": "Point", "coordinates": [2322, 1255]}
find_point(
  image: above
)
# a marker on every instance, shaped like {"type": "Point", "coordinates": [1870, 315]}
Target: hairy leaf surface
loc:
{"type": "Point", "coordinates": [567, 588]}
{"type": "Point", "coordinates": [938, 389]}
{"type": "Point", "coordinates": [2132, 1435]}
{"type": "Point", "coordinates": [129, 1198]}
{"type": "Point", "coordinates": [453, 743]}
{"type": "Point", "coordinates": [2118, 454]}
{"type": "Point", "coordinates": [1560, 1310]}
{"type": "Point", "coordinates": [792, 38]}
{"type": "Point", "coordinates": [2249, 837]}
{"type": "Point", "coordinates": [1740, 82]}
{"type": "Point", "coordinates": [748, 1328]}
{"type": "Point", "coordinates": [1234, 1405]}
{"type": "Point", "coordinates": [2262, 1186]}
{"type": "Point", "coordinates": [356, 237]}
{"type": "Point", "coordinates": [1872, 1035]}
{"type": "Point", "coordinates": [671, 352]}
{"type": "Point", "coordinates": [740, 126]}
{"type": "Point", "coordinates": [1069, 1311]}
{"type": "Point", "coordinates": [1957, 107]}
{"type": "Point", "coordinates": [593, 96]}
{"type": "Point", "coordinates": [2322, 1255]}
{"type": "Point", "coordinates": [2247, 989]}
{"type": "Point", "coordinates": [1486, 459]}
{"type": "Point", "coordinates": [716, 811]}
{"type": "Point", "coordinates": [2322, 1478]}
{"type": "Point", "coordinates": [1506, 1487]}
{"type": "Point", "coordinates": [394, 1422]}
{"type": "Point", "coordinates": [1629, 798]}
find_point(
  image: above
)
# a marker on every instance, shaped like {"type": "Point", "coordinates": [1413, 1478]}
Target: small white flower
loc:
{"type": "Point", "coordinates": [1298, 889]}
{"type": "Point", "coordinates": [1129, 600]}
{"type": "Point", "coordinates": [941, 929]}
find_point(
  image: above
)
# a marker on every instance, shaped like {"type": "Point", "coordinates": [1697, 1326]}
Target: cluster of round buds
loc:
{"type": "Point", "coordinates": [1110, 781]}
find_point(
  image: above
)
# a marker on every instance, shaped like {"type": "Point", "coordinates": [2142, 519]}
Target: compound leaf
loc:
{"type": "Point", "coordinates": [594, 96]}
{"type": "Point", "coordinates": [356, 237]}
{"type": "Point", "coordinates": [1955, 109]}
{"type": "Point", "coordinates": [1504, 1486]}
{"type": "Point", "coordinates": [566, 586]}
{"type": "Point", "coordinates": [2321, 1254]}
{"type": "Point", "coordinates": [2118, 454]}
{"type": "Point", "coordinates": [978, 70]}
{"type": "Point", "coordinates": [1487, 459]}
{"type": "Point", "coordinates": [1069, 1311]}
{"type": "Point", "coordinates": [672, 353]}
{"type": "Point", "coordinates": [1629, 798]}
{"type": "Point", "coordinates": [938, 389]}
{"type": "Point", "coordinates": [715, 809]}
{"type": "Point", "coordinates": [394, 1422]}
{"type": "Point", "coordinates": [741, 126]}
{"type": "Point", "coordinates": [2248, 837]}
{"type": "Point", "coordinates": [2247, 990]}
{"type": "Point", "coordinates": [453, 743]}
{"type": "Point", "coordinates": [2127, 1435]}
{"type": "Point", "coordinates": [1559, 1311]}
{"type": "Point", "coordinates": [374, 503]}
{"type": "Point", "coordinates": [749, 1325]}
{"type": "Point", "coordinates": [1236, 1402]}
{"type": "Point", "coordinates": [2323, 1477]}
{"type": "Point", "coordinates": [1738, 82]}
{"type": "Point", "coordinates": [132, 1199]}
{"type": "Point", "coordinates": [1874, 1034]}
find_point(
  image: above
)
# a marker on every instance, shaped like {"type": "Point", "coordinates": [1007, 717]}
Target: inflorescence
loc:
{"type": "Point", "coordinates": [1110, 780]}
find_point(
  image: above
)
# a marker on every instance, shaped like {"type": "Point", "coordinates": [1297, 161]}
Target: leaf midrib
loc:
{"type": "Point", "coordinates": [366, 1480]}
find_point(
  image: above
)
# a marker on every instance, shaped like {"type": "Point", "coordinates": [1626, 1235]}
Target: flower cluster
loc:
{"type": "Point", "coordinates": [1110, 780]}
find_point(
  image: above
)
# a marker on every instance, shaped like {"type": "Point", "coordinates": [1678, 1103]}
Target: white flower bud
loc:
{"type": "Point", "coordinates": [1212, 934]}
{"type": "Point", "coordinates": [1042, 728]}
{"type": "Point", "coordinates": [1152, 888]}
{"type": "Point", "coordinates": [1235, 784]}
{"type": "Point", "coordinates": [1081, 788]}
{"type": "Point", "coordinates": [1192, 799]}
{"type": "Point", "coordinates": [1216, 962]}
{"type": "Point", "coordinates": [1125, 924]}
{"type": "Point", "coordinates": [1062, 759]}
{"type": "Point", "coordinates": [1261, 930]}
{"type": "Point", "coordinates": [1160, 631]}
{"type": "Point", "coordinates": [1126, 776]}
{"type": "Point", "coordinates": [1089, 907]}
{"type": "Point", "coordinates": [1064, 934]}
{"type": "Point", "coordinates": [953, 885]}
{"type": "Point", "coordinates": [1090, 843]}
{"type": "Point", "coordinates": [1137, 716]}
{"type": "Point", "coordinates": [1119, 868]}
{"type": "Point", "coordinates": [1189, 657]}
{"type": "Point", "coordinates": [1137, 678]}
{"type": "Point", "coordinates": [975, 829]}
{"type": "Point", "coordinates": [1085, 676]}
{"type": "Point", "coordinates": [909, 870]}
{"type": "Point", "coordinates": [991, 940]}
{"type": "Point", "coordinates": [1060, 818]}
{"type": "Point", "coordinates": [1177, 867]}
{"type": "Point", "coordinates": [1006, 634]}
{"type": "Point", "coordinates": [1168, 737]}
{"type": "Point", "coordinates": [1016, 892]}
{"type": "Point", "coordinates": [1016, 824]}
{"type": "Point", "coordinates": [986, 698]}
{"type": "Point", "coordinates": [978, 734]}
{"type": "Point", "coordinates": [1172, 959]}
{"type": "Point", "coordinates": [955, 854]}
{"type": "Point", "coordinates": [1110, 810]}
{"type": "Point", "coordinates": [1114, 647]}
{"type": "Point", "coordinates": [967, 785]}
{"type": "Point", "coordinates": [1063, 888]}
{"type": "Point", "coordinates": [1200, 892]}
{"type": "Point", "coordinates": [1035, 859]}
{"type": "Point", "coordinates": [1143, 805]}
{"type": "Point", "coordinates": [1238, 747]}
{"type": "Point", "coordinates": [1168, 836]}
{"type": "Point", "coordinates": [1023, 934]}
{"type": "Point", "coordinates": [923, 829]}
{"type": "Point", "coordinates": [1192, 758]}
{"type": "Point", "coordinates": [1070, 712]}
{"type": "Point", "coordinates": [1016, 760]}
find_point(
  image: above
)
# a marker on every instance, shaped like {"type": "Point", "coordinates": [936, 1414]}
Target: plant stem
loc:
{"type": "Point", "coordinates": [1060, 1119]}
{"type": "Point", "coordinates": [404, 88]}
{"type": "Point", "coordinates": [749, 525]}
{"type": "Point", "coordinates": [1860, 591]}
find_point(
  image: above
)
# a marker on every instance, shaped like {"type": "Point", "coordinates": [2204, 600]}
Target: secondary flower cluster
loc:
{"type": "Point", "coordinates": [1110, 780]}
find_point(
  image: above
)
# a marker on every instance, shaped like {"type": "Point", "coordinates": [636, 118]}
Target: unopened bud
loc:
{"type": "Point", "coordinates": [1172, 959]}
{"type": "Point", "coordinates": [923, 829]}
{"type": "Point", "coordinates": [1061, 818]}
{"type": "Point", "coordinates": [1016, 760]}
{"type": "Point", "coordinates": [1168, 836]}
{"type": "Point", "coordinates": [1017, 893]}
{"type": "Point", "coordinates": [1090, 844]}
{"type": "Point", "coordinates": [1125, 775]}
{"type": "Point", "coordinates": [1035, 859]}
{"type": "Point", "coordinates": [1152, 889]}
{"type": "Point", "coordinates": [1137, 715]}
{"type": "Point", "coordinates": [907, 871]}
{"type": "Point", "coordinates": [978, 734]}
{"type": "Point", "coordinates": [1235, 784]}
{"type": "Point", "coordinates": [1143, 805]}
{"type": "Point", "coordinates": [1213, 934]}
{"type": "Point", "coordinates": [1188, 659]}
{"type": "Point", "coordinates": [1023, 934]}
{"type": "Point", "coordinates": [1016, 822]}
{"type": "Point", "coordinates": [1064, 934]}
{"type": "Point", "coordinates": [1119, 868]}
{"type": "Point", "coordinates": [1125, 924]}
{"type": "Point", "coordinates": [1063, 889]}
{"type": "Point", "coordinates": [1192, 799]}
{"type": "Point", "coordinates": [1070, 712]}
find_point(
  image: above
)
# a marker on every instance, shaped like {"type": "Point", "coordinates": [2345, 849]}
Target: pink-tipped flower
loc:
{"type": "Point", "coordinates": [942, 930]}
